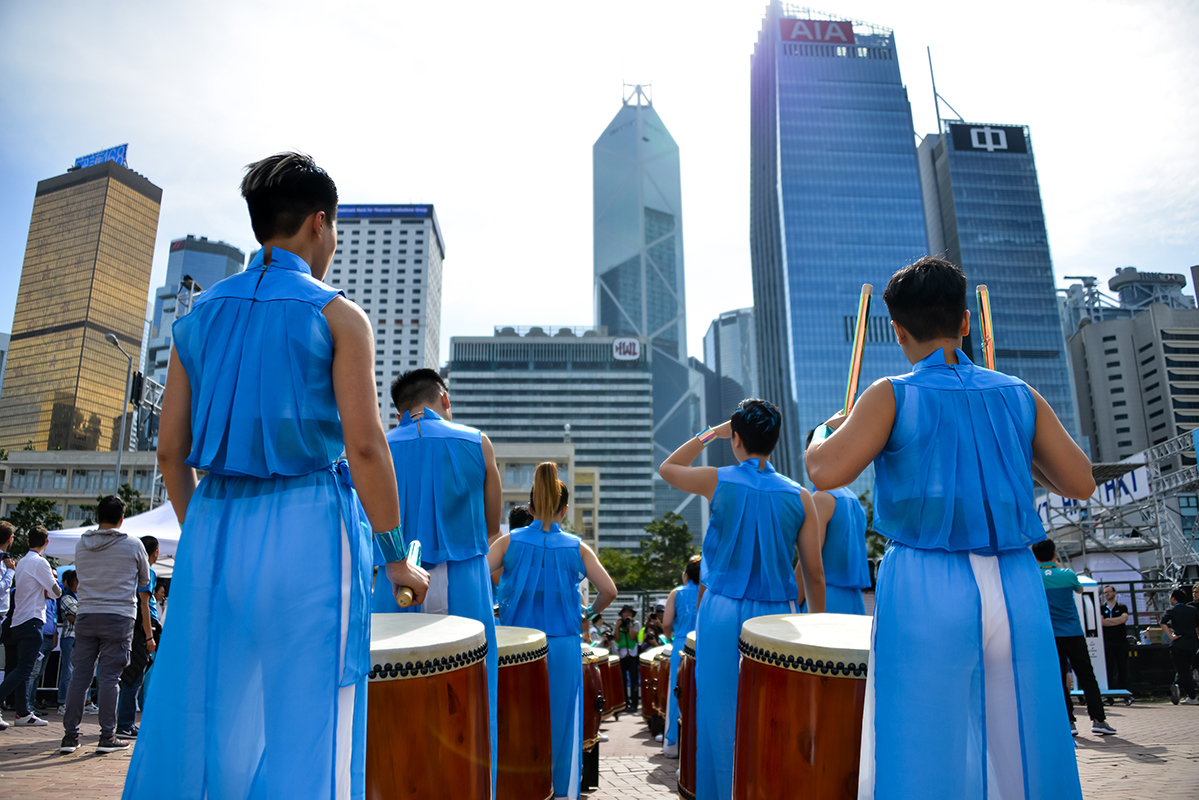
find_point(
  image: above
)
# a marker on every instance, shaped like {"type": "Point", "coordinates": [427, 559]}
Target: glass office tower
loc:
{"type": "Point", "coordinates": [983, 206]}
{"type": "Point", "coordinates": [835, 203]}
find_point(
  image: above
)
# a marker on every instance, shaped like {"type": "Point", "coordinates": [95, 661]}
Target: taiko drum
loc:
{"type": "Point", "coordinates": [649, 689]}
{"type": "Point", "coordinates": [525, 761]}
{"type": "Point", "coordinates": [428, 733]}
{"type": "Point", "coordinates": [662, 666]}
{"type": "Point", "coordinates": [613, 685]}
{"type": "Point", "coordinates": [800, 699]}
{"type": "Point", "coordinates": [685, 689]}
{"type": "Point", "coordinates": [593, 697]}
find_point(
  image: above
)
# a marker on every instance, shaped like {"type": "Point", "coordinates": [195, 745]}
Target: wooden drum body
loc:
{"type": "Point", "coordinates": [593, 698]}
{"type": "Point", "coordinates": [685, 683]}
{"type": "Point", "coordinates": [525, 761]}
{"type": "Point", "coordinates": [614, 683]}
{"type": "Point", "coordinates": [662, 660]}
{"type": "Point", "coordinates": [428, 733]}
{"type": "Point", "coordinates": [649, 697]}
{"type": "Point", "coordinates": [800, 701]}
{"type": "Point", "coordinates": [601, 666]}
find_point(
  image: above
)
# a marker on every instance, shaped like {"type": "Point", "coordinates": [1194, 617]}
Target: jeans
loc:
{"type": "Point", "coordinates": [1074, 648]}
{"type": "Point", "coordinates": [107, 637]}
{"type": "Point", "coordinates": [630, 668]}
{"type": "Point", "coordinates": [127, 702]}
{"type": "Point", "coordinates": [1115, 653]}
{"type": "Point", "coordinates": [26, 639]}
{"type": "Point", "coordinates": [39, 669]}
{"type": "Point", "coordinates": [64, 667]}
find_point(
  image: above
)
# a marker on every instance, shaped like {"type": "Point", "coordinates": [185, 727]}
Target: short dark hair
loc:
{"type": "Point", "coordinates": [151, 544]}
{"type": "Point", "coordinates": [69, 577]}
{"type": "Point", "coordinates": [928, 298]}
{"type": "Point", "coordinates": [110, 510]}
{"type": "Point", "coordinates": [1044, 550]}
{"type": "Point", "coordinates": [1180, 595]}
{"type": "Point", "coordinates": [758, 423]}
{"type": "Point", "coordinates": [283, 190]}
{"type": "Point", "coordinates": [7, 531]}
{"type": "Point", "coordinates": [416, 386]}
{"type": "Point", "coordinates": [519, 517]}
{"type": "Point", "coordinates": [692, 569]}
{"type": "Point", "coordinates": [38, 536]}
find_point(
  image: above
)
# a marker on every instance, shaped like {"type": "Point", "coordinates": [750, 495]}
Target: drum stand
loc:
{"type": "Point", "coordinates": [590, 771]}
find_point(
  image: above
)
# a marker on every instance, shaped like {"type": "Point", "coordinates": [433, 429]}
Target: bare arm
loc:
{"type": "Point", "coordinates": [668, 615]}
{"type": "Point", "coordinates": [678, 472]}
{"type": "Point", "coordinates": [366, 444]}
{"type": "Point", "coordinates": [809, 571]}
{"type": "Point", "coordinates": [175, 438]}
{"type": "Point", "coordinates": [825, 504]}
{"type": "Point", "coordinates": [836, 461]}
{"type": "Point", "coordinates": [495, 556]}
{"type": "Point", "coordinates": [1064, 467]}
{"type": "Point", "coordinates": [600, 579]}
{"type": "Point", "coordinates": [493, 495]}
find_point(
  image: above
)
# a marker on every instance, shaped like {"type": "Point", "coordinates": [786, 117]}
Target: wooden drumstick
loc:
{"type": "Point", "coordinates": [404, 595]}
{"type": "Point", "coordinates": [859, 344]}
{"type": "Point", "coordinates": [985, 328]}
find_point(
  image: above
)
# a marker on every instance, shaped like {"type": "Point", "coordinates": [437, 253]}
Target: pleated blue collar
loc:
{"type": "Point", "coordinates": [756, 465]}
{"type": "Point", "coordinates": [281, 259]}
{"type": "Point", "coordinates": [407, 419]}
{"type": "Point", "coordinates": [535, 525]}
{"type": "Point", "coordinates": [937, 359]}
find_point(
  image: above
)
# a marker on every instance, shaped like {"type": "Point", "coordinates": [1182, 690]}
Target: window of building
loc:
{"type": "Point", "coordinates": [1124, 444]}
{"type": "Point", "coordinates": [1144, 348]}
{"type": "Point", "coordinates": [1157, 413]}
{"type": "Point", "coordinates": [1119, 403]}
{"type": "Point", "coordinates": [1156, 427]}
{"type": "Point", "coordinates": [1150, 373]}
{"type": "Point", "coordinates": [1115, 377]}
{"type": "Point", "coordinates": [1111, 352]}
{"type": "Point", "coordinates": [1118, 430]}
{"type": "Point", "coordinates": [1121, 416]}
{"type": "Point", "coordinates": [1109, 338]}
{"type": "Point", "coordinates": [1152, 400]}
{"type": "Point", "coordinates": [1111, 364]}
{"type": "Point", "coordinates": [1153, 386]}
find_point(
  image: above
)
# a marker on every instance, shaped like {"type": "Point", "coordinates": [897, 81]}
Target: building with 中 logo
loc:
{"type": "Point", "coordinates": [539, 387]}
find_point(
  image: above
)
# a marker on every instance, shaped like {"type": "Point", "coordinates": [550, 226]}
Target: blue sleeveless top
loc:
{"type": "Point", "coordinates": [686, 598]}
{"type": "Point", "coordinates": [844, 551]}
{"type": "Point", "coordinates": [749, 548]}
{"type": "Point", "coordinates": [259, 358]}
{"type": "Point", "coordinates": [539, 587]}
{"type": "Point", "coordinates": [440, 474]}
{"type": "Point", "coordinates": [956, 472]}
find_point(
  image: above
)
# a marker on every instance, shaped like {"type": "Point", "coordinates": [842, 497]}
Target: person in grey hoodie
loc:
{"type": "Point", "coordinates": [111, 566]}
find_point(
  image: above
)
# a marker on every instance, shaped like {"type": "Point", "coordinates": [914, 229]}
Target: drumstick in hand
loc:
{"type": "Point", "coordinates": [859, 344]}
{"type": "Point", "coordinates": [985, 329]}
{"type": "Point", "coordinates": [404, 595]}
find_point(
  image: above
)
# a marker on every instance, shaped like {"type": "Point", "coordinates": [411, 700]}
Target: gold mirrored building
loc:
{"type": "Point", "coordinates": [86, 274]}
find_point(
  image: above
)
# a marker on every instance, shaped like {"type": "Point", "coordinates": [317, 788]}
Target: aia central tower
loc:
{"type": "Point", "coordinates": [835, 202]}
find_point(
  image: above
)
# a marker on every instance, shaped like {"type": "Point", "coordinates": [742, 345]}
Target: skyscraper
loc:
{"type": "Point", "coordinates": [86, 275]}
{"type": "Point", "coordinates": [203, 262]}
{"type": "Point", "coordinates": [983, 207]}
{"type": "Point", "coordinates": [731, 351]}
{"type": "Point", "coordinates": [639, 292]}
{"type": "Point", "coordinates": [835, 203]}
{"type": "Point", "coordinates": [388, 261]}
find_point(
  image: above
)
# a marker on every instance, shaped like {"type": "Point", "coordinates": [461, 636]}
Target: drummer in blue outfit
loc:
{"type": "Point", "coordinates": [449, 489]}
{"type": "Point", "coordinates": [271, 378]}
{"type": "Point", "coordinates": [758, 520]}
{"type": "Point", "coordinates": [539, 588]}
{"type": "Point", "coordinates": [678, 620]}
{"type": "Point", "coordinates": [963, 697]}
{"type": "Point", "coordinates": [842, 534]}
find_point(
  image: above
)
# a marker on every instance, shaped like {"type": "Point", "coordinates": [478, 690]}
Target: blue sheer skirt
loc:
{"type": "Point", "coordinates": [565, 662]}
{"type": "Point", "coordinates": [256, 693]}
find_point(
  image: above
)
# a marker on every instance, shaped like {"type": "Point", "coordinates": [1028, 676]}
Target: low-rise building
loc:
{"type": "Point", "coordinates": [72, 478]}
{"type": "Point", "coordinates": [517, 462]}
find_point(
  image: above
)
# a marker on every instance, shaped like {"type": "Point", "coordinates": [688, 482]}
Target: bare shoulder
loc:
{"type": "Point", "coordinates": [345, 317]}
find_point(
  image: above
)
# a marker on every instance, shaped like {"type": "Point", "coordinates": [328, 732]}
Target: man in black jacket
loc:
{"type": "Point", "coordinates": [1181, 625]}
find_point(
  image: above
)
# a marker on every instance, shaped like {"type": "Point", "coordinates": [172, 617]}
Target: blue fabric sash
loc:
{"type": "Point", "coordinates": [358, 532]}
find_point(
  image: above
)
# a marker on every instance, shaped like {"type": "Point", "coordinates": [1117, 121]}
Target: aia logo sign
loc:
{"type": "Point", "coordinates": [816, 30]}
{"type": "Point", "coordinates": [626, 349]}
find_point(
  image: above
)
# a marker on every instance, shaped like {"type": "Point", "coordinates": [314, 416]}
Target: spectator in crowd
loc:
{"type": "Point", "coordinates": [35, 581]}
{"type": "Point", "coordinates": [160, 599]}
{"type": "Point", "coordinates": [1060, 587]}
{"type": "Point", "coordinates": [112, 566]}
{"type": "Point", "coordinates": [49, 642]}
{"type": "Point", "coordinates": [68, 605]}
{"type": "Point", "coordinates": [626, 647]}
{"type": "Point", "coordinates": [146, 628]}
{"type": "Point", "coordinates": [1115, 641]}
{"type": "Point", "coordinates": [1181, 625]}
{"type": "Point", "coordinates": [7, 570]}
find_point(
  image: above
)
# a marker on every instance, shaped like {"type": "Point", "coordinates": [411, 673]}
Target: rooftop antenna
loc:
{"type": "Point", "coordinates": [937, 97]}
{"type": "Point", "coordinates": [638, 94]}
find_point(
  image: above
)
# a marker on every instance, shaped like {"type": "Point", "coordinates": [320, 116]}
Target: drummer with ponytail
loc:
{"type": "Point", "coordinates": [542, 567]}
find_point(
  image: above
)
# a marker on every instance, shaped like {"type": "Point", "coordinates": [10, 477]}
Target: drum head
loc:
{"type": "Point", "coordinates": [822, 644]}
{"type": "Point", "coordinates": [518, 645]}
{"type": "Point", "coordinates": [649, 655]}
{"type": "Point", "coordinates": [417, 645]}
{"type": "Point", "coordinates": [600, 653]}
{"type": "Point", "coordinates": [689, 647]}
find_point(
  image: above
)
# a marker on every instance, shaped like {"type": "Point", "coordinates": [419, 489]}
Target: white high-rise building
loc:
{"type": "Point", "coordinates": [388, 261]}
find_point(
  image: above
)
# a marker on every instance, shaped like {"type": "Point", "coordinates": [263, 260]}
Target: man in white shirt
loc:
{"type": "Point", "coordinates": [35, 581]}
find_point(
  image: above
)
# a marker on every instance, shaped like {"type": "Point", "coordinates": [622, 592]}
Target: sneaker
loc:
{"type": "Point", "coordinates": [30, 721]}
{"type": "Point", "coordinates": [3, 724]}
{"type": "Point", "coordinates": [112, 745]}
{"type": "Point", "coordinates": [62, 710]}
{"type": "Point", "coordinates": [658, 738]}
{"type": "Point", "coordinates": [1073, 728]}
{"type": "Point", "coordinates": [1175, 695]}
{"type": "Point", "coordinates": [69, 744]}
{"type": "Point", "coordinates": [131, 732]}
{"type": "Point", "coordinates": [603, 737]}
{"type": "Point", "coordinates": [91, 709]}
{"type": "Point", "coordinates": [670, 750]}
{"type": "Point", "coordinates": [1191, 701]}
{"type": "Point", "coordinates": [1101, 726]}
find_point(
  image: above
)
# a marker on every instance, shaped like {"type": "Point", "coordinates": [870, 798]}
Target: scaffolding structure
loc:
{"type": "Point", "coordinates": [1173, 471]}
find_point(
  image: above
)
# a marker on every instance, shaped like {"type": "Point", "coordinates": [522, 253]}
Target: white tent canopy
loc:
{"type": "Point", "coordinates": [159, 523]}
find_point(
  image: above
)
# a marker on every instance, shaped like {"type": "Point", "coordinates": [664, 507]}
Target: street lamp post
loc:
{"type": "Point", "coordinates": [112, 339]}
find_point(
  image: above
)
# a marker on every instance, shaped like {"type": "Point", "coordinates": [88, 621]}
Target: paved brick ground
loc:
{"type": "Point", "coordinates": [1154, 757]}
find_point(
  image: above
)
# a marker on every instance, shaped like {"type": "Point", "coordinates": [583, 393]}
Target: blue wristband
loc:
{"type": "Point", "coordinates": [392, 543]}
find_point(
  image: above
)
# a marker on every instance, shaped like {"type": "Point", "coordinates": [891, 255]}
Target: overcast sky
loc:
{"type": "Point", "coordinates": [489, 110]}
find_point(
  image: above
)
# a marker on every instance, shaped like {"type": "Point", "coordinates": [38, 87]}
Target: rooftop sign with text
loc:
{"type": "Point", "coordinates": [116, 154]}
{"type": "Point", "coordinates": [821, 31]}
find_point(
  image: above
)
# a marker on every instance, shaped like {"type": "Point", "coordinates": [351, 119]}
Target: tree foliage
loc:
{"type": "Point", "coordinates": [28, 514]}
{"type": "Point", "coordinates": [134, 504]}
{"type": "Point", "coordinates": [876, 544]}
{"type": "Point", "coordinates": [659, 563]}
